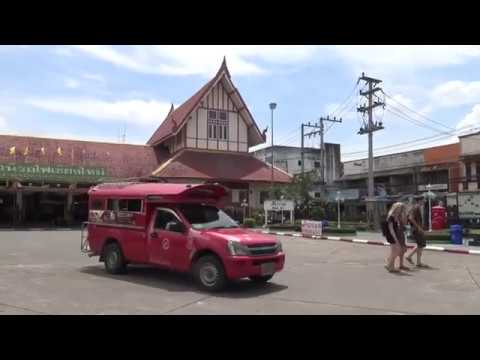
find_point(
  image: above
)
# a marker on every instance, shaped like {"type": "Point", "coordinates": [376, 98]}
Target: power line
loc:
{"type": "Point", "coordinates": [404, 116]}
{"type": "Point", "coordinates": [416, 112]}
{"type": "Point", "coordinates": [421, 123]}
{"type": "Point", "coordinates": [346, 99]}
{"type": "Point", "coordinates": [420, 140]}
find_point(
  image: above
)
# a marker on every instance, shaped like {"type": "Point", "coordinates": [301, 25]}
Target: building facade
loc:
{"type": "Point", "coordinates": [469, 174]}
{"type": "Point", "coordinates": [400, 175]}
{"type": "Point", "coordinates": [289, 159]}
{"type": "Point", "coordinates": [206, 139]}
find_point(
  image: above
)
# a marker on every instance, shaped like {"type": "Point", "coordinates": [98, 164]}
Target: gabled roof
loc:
{"type": "Point", "coordinates": [176, 118]}
{"type": "Point", "coordinates": [220, 166]}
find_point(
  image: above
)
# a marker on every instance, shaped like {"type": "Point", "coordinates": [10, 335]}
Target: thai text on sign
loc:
{"type": "Point", "coordinates": [45, 171]}
{"type": "Point", "coordinates": [311, 228]}
{"type": "Point", "coordinates": [278, 205]}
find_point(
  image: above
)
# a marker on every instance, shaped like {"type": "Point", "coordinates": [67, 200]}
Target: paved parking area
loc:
{"type": "Point", "coordinates": [43, 272]}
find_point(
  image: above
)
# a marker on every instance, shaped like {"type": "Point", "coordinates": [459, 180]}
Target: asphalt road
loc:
{"type": "Point", "coordinates": [43, 272]}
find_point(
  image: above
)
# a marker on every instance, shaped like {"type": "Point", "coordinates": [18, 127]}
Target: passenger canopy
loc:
{"type": "Point", "coordinates": [208, 191]}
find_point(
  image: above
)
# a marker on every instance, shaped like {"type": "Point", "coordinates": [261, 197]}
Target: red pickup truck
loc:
{"type": "Point", "coordinates": [176, 226]}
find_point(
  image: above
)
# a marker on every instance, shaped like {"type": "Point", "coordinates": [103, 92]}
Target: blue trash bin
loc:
{"type": "Point", "coordinates": [456, 234]}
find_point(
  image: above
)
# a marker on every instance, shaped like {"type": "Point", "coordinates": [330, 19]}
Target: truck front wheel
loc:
{"type": "Point", "coordinates": [114, 260]}
{"type": "Point", "coordinates": [209, 273]}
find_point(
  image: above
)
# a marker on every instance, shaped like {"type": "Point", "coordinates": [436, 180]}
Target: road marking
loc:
{"type": "Point", "coordinates": [360, 241]}
{"type": "Point", "coordinates": [436, 248]}
{"type": "Point", "coordinates": [370, 242]}
{"type": "Point", "coordinates": [333, 238]}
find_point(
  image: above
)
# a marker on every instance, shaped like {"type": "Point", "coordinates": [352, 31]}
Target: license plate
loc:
{"type": "Point", "coordinates": [267, 268]}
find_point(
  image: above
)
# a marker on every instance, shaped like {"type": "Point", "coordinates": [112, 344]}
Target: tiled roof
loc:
{"type": "Point", "coordinates": [119, 160]}
{"type": "Point", "coordinates": [219, 166]}
{"type": "Point", "coordinates": [176, 118]}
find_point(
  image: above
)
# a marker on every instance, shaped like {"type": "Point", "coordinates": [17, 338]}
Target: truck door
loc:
{"type": "Point", "coordinates": [167, 241]}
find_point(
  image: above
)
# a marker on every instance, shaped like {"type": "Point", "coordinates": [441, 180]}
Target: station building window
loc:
{"type": "Point", "coordinates": [217, 125]}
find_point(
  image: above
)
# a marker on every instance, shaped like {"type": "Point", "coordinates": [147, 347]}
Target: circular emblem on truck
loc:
{"type": "Point", "coordinates": [165, 244]}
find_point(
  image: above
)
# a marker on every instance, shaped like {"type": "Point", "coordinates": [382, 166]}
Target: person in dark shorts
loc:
{"type": "Point", "coordinates": [394, 232]}
{"type": "Point", "coordinates": [415, 220]}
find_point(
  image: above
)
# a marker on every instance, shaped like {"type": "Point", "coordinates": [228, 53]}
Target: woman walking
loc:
{"type": "Point", "coordinates": [394, 228]}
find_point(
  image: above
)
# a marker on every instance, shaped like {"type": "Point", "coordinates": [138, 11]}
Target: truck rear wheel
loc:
{"type": "Point", "coordinates": [209, 273]}
{"type": "Point", "coordinates": [114, 260]}
{"type": "Point", "coordinates": [261, 279]}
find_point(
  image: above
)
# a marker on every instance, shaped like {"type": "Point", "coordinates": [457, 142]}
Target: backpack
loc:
{"type": "Point", "coordinates": [384, 226]}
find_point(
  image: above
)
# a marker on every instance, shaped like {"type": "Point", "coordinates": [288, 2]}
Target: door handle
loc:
{"type": "Point", "coordinates": [154, 235]}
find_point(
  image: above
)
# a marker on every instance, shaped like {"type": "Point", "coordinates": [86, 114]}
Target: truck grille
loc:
{"type": "Point", "coordinates": [264, 249]}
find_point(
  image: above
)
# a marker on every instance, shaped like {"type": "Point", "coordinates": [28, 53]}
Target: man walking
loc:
{"type": "Point", "coordinates": [415, 219]}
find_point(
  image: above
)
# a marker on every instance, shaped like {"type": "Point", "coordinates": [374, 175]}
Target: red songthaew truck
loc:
{"type": "Point", "coordinates": [176, 226]}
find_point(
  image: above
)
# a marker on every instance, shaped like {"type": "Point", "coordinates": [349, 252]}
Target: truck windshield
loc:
{"type": "Point", "coordinates": [204, 217]}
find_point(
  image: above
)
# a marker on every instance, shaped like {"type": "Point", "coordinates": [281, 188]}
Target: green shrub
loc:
{"type": "Point", "coordinates": [294, 227]}
{"type": "Point", "coordinates": [440, 237]}
{"type": "Point", "coordinates": [249, 222]}
{"type": "Point", "coordinates": [259, 217]}
{"type": "Point", "coordinates": [317, 213]}
{"type": "Point", "coordinates": [339, 231]}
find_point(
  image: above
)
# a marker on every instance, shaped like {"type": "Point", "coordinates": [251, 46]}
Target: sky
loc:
{"type": "Point", "coordinates": [99, 92]}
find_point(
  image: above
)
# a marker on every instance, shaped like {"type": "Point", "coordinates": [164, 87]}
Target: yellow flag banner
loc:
{"type": "Point", "coordinates": [59, 151]}
{"type": "Point", "coordinates": [42, 150]}
{"type": "Point", "coordinates": [25, 153]}
{"type": "Point", "coordinates": [12, 150]}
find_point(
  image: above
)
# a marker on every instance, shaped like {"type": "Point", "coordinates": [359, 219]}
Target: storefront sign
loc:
{"type": "Point", "coordinates": [30, 171]}
{"type": "Point", "coordinates": [311, 228]}
{"type": "Point", "coordinates": [278, 205]}
{"type": "Point", "coordinates": [434, 187]}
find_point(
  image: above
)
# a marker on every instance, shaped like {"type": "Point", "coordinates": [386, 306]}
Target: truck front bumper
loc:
{"type": "Point", "coordinates": [238, 267]}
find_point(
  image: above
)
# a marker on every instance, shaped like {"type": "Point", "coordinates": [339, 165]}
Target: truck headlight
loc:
{"type": "Point", "coordinates": [237, 249]}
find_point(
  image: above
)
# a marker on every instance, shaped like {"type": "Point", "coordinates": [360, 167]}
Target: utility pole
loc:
{"type": "Point", "coordinates": [318, 129]}
{"type": "Point", "coordinates": [322, 145]}
{"type": "Point", "coordinates": [302, 157]}
{"type": "Point", "coordinates": [272, 107]}
{"type": "Point", "coordinates": [312, 133]}
{"type": "Point", "coordinates": [369, 128]}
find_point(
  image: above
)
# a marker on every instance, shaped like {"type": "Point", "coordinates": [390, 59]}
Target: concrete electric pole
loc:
{"type": "Point", "coordinates": [369, 128]}
{"type": "Point", "coordinates": [319, 130]}
{"type": "Point", "coordinates": [322, 145]}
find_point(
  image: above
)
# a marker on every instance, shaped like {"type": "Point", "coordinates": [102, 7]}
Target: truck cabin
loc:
{"type": "Point", "coordinates": [132, 204]}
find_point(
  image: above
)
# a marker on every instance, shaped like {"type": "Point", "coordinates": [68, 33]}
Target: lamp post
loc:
{"type": "Point", "coordinates": [429, 194]}
{"type": "Point", "coordinates": [338, 209]}
{"type": "Point", "coordinates": [272, 107]}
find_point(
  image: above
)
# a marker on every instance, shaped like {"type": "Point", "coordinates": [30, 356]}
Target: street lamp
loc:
{"type": "Point", "coordinates": [429, 194]}
{"type": "Point", "coordinates": [338, 207]}
{"type": "Point", "coordinates": [272, 107]}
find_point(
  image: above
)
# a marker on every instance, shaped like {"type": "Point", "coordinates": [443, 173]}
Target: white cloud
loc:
{"type": "Point", "coordinates": [94, 77]}
{"type": "Point", "coordinates": [71, 83]}
{"type": "Point", "coordinates": [63, 51]}
{"type": "Point", "coordinates": [198, 59]}
{"type": "Point", "coordinates": [140, 112]}
{"type": "Point", "coordinates": [471, 120]}
{"type": "Point", "coordinates": [378, 58]}
{"type": "Point", "coordinates": [455, 93]}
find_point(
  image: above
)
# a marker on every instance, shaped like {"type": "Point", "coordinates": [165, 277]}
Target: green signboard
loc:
{"type": "Point", "coordinates": [46, 172]}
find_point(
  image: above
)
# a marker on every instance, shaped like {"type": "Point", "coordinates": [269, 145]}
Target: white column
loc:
{"type": "Point", "coordinates": [473, 168]}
